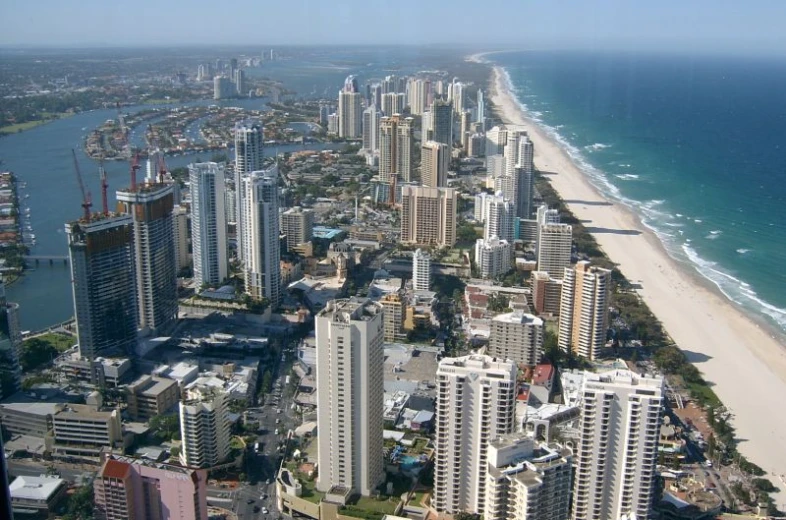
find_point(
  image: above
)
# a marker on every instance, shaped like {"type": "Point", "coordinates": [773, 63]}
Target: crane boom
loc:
{"type": "Point", "coordinates": [86, 203]}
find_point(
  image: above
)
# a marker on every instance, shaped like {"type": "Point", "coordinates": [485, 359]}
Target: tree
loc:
{"type": "Point", "coordinates": [36, 352]}
{"type": "Point", "coordinates": [166, 427]}
{"type": "Point", "coordinates": [80, 505]}
{"type": "Point", "coordinates": [466, 516]}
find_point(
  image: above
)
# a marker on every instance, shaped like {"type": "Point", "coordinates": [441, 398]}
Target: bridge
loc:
{"type": "Point", "coordinates": [37, 259]}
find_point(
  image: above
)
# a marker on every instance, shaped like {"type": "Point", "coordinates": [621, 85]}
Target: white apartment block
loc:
{"type": "Point", "coordinates": [618, 448]}
{"type": "Point", "coordinates": [421, 271]}
{"type": "Point", "coordinates": [475, 405]}
{"type": "Point", "coordinates": [260, 231]}
{"type": "Point", "coordinates": [584, 309]}
{"type": "Point", "coordinates": [434, 161]}
{"type": "Point", "coordinates": [527, 480]}
{"type": "Point", "coordinates": [208, 223]}
{"type": "Point", "coordinates": [204, 427]}
{"type": "Point", "coordinates": [516, 336]}
{"type": "Point", "coordinates": [554, 248]}
{"type": "Point", "coordinates": [493, 257]}
{"type": "Point", "coordinates": [350, 115]}
{"type": "Point", "coordinates": [499, 221]}
{"type": "Point", "coordinates": [350, 396]}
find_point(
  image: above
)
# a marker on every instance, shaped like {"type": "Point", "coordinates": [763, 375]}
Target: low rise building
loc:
{"type": "Point", "coordinates": [36, 495]}
{"type": "Point", "coordinates": [149, 396]}
{"type": "Point", "coordinates": [516, 336]}
{"type": "Point", "coordinates": [82, 431]}
{"type": "Point", "coordinates": [546, 293]}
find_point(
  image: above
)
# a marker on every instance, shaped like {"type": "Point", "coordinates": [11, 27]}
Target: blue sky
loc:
{"type": "Point", "coordinates": [695, 24]}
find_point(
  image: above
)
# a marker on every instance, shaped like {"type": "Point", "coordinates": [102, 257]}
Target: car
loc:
{"type": "Point", "coordinates": [265, 511]}
{"type": "Point", "coordinates": [250, 501]}
{"type": "Point", "coordinates": [256, 509]}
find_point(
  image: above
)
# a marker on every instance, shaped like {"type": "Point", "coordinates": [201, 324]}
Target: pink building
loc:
{"type": "Point", "coordinates": [139, 489]}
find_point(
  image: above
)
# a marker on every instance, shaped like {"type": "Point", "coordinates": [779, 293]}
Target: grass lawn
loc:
{"type": "Point", "coordinates": [61, 342]}
{"type": "Point", "coordinates": [310, 492]}
{"type": "Point", "coordinates": [21, 127]}
{"type": "Point", "coordinates": [160, 101]}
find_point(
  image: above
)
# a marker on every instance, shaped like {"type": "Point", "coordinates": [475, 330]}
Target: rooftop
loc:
{"type": "Point", "coordinates": [519, 317]}
{"type": "Point", "coordinates": [35, 488]}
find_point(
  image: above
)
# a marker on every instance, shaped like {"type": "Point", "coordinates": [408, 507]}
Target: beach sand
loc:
{"type": "Point", "coordinates": [741, 361]}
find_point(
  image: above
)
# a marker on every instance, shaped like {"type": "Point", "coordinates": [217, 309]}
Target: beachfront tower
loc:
{"type": "Point", "coordinates": [617, 451]}
{"type": "Point", "coordinates": [442, 123]}
{"type": "Point", "coordinates": [350, 356]}
{"type": "Point", "coordinates": [103, 280]}
{"type": "Point", "coordinates": [554, 247]}
{"type": "Point", "coordinates": [475, 405]}
{"type": "Point", "coordinates": [248, 158]}
{"type": "Point", "coordinates": [150, 206]}
{"type": "Point", "coordinates": [208, 224]}
{"type": "Point", "coordinates": [499, 218]}
{"type": "Point", "coordinates": [584, 310]}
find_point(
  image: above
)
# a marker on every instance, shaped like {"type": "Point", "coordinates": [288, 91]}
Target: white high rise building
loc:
{"type": "Point", "coordinates": [208, 224]}
{"type": "Point", "coordinates": [371, 117]}
{"type": "Point", "coordinates": [527, 480]}
{"type": "Point", "coordinates": [434, 162]}
{"type": "Point", "coordinates": [480, 113]}
{"type": "Point", "coordinates": [350, 395]}
{"type": "Point", "coordinates": [584, 309]}
{"type": "Point", "coordinates": [204, 427]}
{"type": "Point", "coordinates": [516, 336]}
{"type": "Point", "coordinates": [459, 98]}
{"type": "Point", "coordinates": [618, 449]}
{"type": "Point", "coordinates": [392, 104]}
{"type": "Point", "coordinates": [481, 210]}
{"type": "Point", "coordinates": [421, 271]}
{"type": "Point", "coordinates": [262, 251]}
{"type": "Point", "coordinates": [417, 96]}
{"type": "Point", "coordinates": [499, 221]}
{"type": "Point", "coordinates": [554, 247]}
{"type": "Point", "coordinates": [248, 158]}
{"type": "Point", "coordinates": [350, 115]}
{"type": "Point", "coordinates": [493, 256]}
{"type": "Point", "coordinates": [496, 139]}
{"type": "Point", "coordinates": [475, 405]}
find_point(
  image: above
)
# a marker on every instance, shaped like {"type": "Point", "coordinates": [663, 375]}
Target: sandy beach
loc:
{"type": "Point", "coordinates": [743, 363]}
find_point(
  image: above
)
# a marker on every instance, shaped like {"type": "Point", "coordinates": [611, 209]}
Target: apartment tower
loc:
{"type": "Point", "coordinates": [434, 162]}
{"type": "Point", "coordinates": [421, 271]}
{"type": "Point", "coordinates": [204, 426]}
{"type": "Point", "coordinates": [428, 216]}
{"type": "Point", "coordinates": [261, 238]}
{"type": "Point", "coordinates": [554, 248]}
{"type": "Point", "coordinates": [208, 223]}
{"type": "Point", "coordinates": [516, 336]}
{"type": "Point", "coordinates": [584, 309]}
{"type": "Point", "coordinates": [248, 158]}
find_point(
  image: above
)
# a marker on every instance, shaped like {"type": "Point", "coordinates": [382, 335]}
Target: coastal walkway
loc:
{"type": "Point", "coordinates": [66, 327]}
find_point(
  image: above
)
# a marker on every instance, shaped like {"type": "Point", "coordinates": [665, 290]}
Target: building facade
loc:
{"type": "Point", "coordinates": [546, 293]}
{"type": "Point", "coordinates": [104, 284]}
{"type": "Point", "coordinates": [298, 226]}
{"type": "Point", "coordinates": [248, 158]}
{"type": "Point", "coordinates": [428, 216]}
{"type": "Point", "coordinates": [493, 257]}
{"type": "Point", "coordinates": [350, 115]}
{"type": "Point", "coordinates": [584, 309]}
{"type": "Point", "coordinates": [434, 162]}
{"type": "Point", "coordinates": [371, 117]}
{"type": "Point", "coordinates": [499, 218]}
{"type": "Point", "coordinates": [10, 343]}
{"type": "Point", "coordinates": [350, 395]}
{"type": "Point", "coordinates": [554, 248]}
{"type": "Point", "coordinates": [475, 405]}
{"type": "Point", "coordinates": [204, 427]}
{"type": "Point", "coordinates": [618, 448]}
{"type": "Point", "coordinates": [261, 237]}
{"type": "Point", "coordinates": [442, 123]}
{"type": "Point", "coordinates": [208, 223]}
{"type": "Point", "coordinates": [421, 271]}
{"type": "Point", "coordinates": [516, 336]}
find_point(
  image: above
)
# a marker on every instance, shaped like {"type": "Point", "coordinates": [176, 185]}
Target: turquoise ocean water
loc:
{"type": "Point", "coordinates": [696, 145]}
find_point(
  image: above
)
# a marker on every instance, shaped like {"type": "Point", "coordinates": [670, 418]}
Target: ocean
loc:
{"type": "Point", "coordinates": [693, 144]}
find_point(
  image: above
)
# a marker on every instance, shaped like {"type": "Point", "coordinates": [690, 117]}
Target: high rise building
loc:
{"type": "Point", "coordinates": [103, 280]}
{"type": "Point", "coordinates": [6, 507]}
{"type": "Point", "coordinates": [222, 88]}
{"type": "Point", "coordinates": [475, 144]}
{"type": "Point", "coordinates": [554, 247]}
{"type": "Point", "coordinates": [475, 405]}
{"type": "Point", "coordinates": [434, 162]}
{"type": "Point", "coordinates": [516, 336]}
{"type": "Point", "coordinates": [584, 309]}
{"type": "Point", "coordinates": [10, 343]}
{"type": "Point", "coordinates": [480, 114]}
{"type": "Point", "coordinates": [204, 426]}
{"type": "Point", "coordinates": [418, 96]}
{"type": "Point", "coordinates": [618, 448]}
{"type": "Point", "coordinates": [499, 219]}
{"type": "Point", "coordinates": [428, 216]}
{"type": "Point", "coordinates": [350, 112]}
{"type": "Point", "coordinates": [141, 489]}
{"type": "Point", "coordinates": [371, 117]}
{"type": "Point", "coordinates": [524, 175]}
{"type": "Point", "coordinates": [150, 206]}
{"type": "Point", "coordinates": [527, 480]}
{"type": "Point", "coordinates": [421, 271]}
{"type": "Point", "coordinates": [262, 250]}
{"type": "Point", "coordinates": [392, 104]}
{"type": "Point", "coordinates": [248, 158]}
{"type": "Point", "coordinates": [442, 123]}
{"type": "Point", "coordinates": [395, 148]}
{"type": "Point", "coordinates": [496, 139]}
{"type": "Point", "coordinates": [546, 293]}
{"type": "Point", "coordinates": [298, 226]}
{"type": "Point", "coordinates": [350, 394]}
{"type": "Point", "coordinates": [240, 82]}
{"type": "Point", "coordinates": [459, 98]}
{"type": "Point", "coordinates": [493, 256]}
{"type": "Point", "coordinates": [208, 223]}
{"type": "Point", "coordinates": [180, 232]}
{"type": "Point", "coordinates": [544, 215]}
{"type": "Point", "coordinates": [394, 310]}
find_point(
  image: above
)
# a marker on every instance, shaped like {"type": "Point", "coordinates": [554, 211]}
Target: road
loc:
{"type": "Point", "coordinates": [30, 468]}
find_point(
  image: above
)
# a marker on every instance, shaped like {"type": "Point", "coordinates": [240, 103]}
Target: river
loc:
{"type": "Point", "coordinates": [41, 158]}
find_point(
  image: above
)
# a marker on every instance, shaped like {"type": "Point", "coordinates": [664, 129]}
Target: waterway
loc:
{"type": "Point", "coordinates": [41, 157]}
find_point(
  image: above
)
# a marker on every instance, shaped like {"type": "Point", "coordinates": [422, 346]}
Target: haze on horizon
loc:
{"type": "Point", "coordinates": [720, 25]}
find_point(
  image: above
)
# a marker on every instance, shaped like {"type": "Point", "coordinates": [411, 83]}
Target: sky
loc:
{"type": "Point", "coordinates": [747, 25]}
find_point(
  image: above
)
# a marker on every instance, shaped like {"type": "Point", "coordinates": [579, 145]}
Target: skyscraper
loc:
{"type": "Point", "coordinates": [392, 104]}
{"type": "Point", "coordinates": [466, 131]}
{"type": "Point", "coordinates": [371, 117]}
{"type": "Point", "coordinates": [248, 158]}
{"type": "Point", "coordinates": [442, 123]}
{"type": "Point", "coordinates": [459, 97]}
{"type": "Point", "coordinates": [10, 343]}
{"type": "Point", "coordinates": [421, 271]}
{"type": "Point", "coordinates": [350, 355]}
{"type": "Point", "coordinates": [584, 309]}
{"type": "Point", "coordinates": [141, 489]}
{"type": "Point", "coordinates": [204, 426]}
{"type": "Point", "coordinates": [554, 247]}
{"type": "Point", "coordinates": [350, 112]}
{"type": "Point", "coordinates": [524, 175]}
{"type": "Point", "coordinates": [516, 336]}
{"type": "Point", "coordinates": [493, 256]}
{"type": "Point", "coordinates": [262, 250]}
{"type": "Point", "coordinates": [434, 162]}
{"type": "Point", "coordinates": [618, 448]}
{"type": "Point", "coordinates": [395, 148]}
{"type": "Point", "coordinates": [104, 284]}
{"type": "Point", "coordinates": [150, 206]}
{"type": "Point", "coordinates": [428, 216]}
{"type": "Point", "coordinates": [481, 111]}
{"type": "Point", "coordinates": [208, 223]}
{"type": "Point", "coordinates": [406, 143]}
{"type": "Point", "coordinates": [499, 219]}
{"type": "Point", "coordinates": [496, 139]}
{"type": "Point", "coordinates": [475, 405]}
{"type": "Point", "coordinates": [418, 96]}
{"type": "Point", "coordinates": [180, 229]}
{"type": "Point", "coordinates": [240, 82]}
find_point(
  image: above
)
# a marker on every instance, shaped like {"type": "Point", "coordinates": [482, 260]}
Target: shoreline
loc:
{"type": "Point", "coordinates": [724, 343]}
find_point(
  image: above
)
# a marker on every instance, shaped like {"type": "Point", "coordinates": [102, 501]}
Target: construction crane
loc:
{"type": "Point", "coordinates": [86, 202]}
{"type": "Point", "coordinates": [161, 167]}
